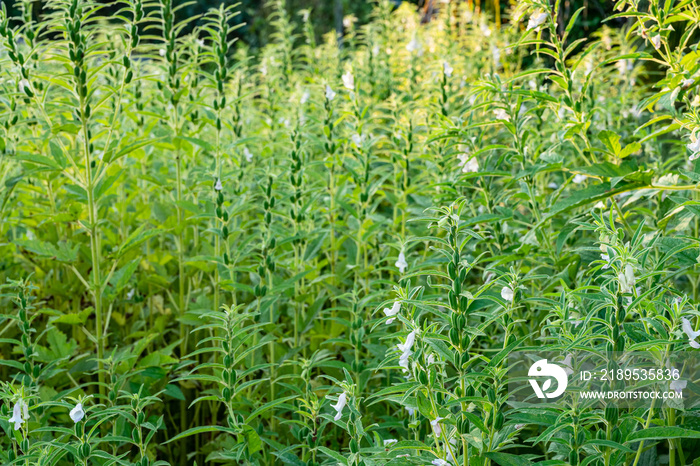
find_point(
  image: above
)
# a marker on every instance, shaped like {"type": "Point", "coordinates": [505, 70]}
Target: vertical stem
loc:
{"type": "Point", "coordinates": [94, 250]}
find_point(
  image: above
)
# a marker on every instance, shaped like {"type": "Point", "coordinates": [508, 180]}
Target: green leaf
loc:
{"type": "Point", "coordinates": [252, 438]}
{"type": "Point", "coordinates": [629, 150]}
{"type": "Point", "coordinates": [38, 159]}
{"type": "Point", "coordinates": [611, 141]}
{"type": "Point", "coordinates": [65, 252]}
{"type": "Point", "coordinates": [174, 391]}
{"type": "Point", "coordinates": [333, 454]}
{"type": "Point", "coordinates": [121, 277]}
{"type": "Point", "coordinates": [662, 433]}
{"type": "Point", "coordinates": [505, 459]}
{"type": "Point", "coordinates": [200, 430]}
{"type": "Point", "coordinates": [410, 445]}
{"type": "Point", "coordinates": [137, 237]}
{"type": "Point", "coordinates": [608, 444]}
{"type": "Point", "coordinates": [76, 318]}
{"type": "Point", "coordinates": [636, 331]}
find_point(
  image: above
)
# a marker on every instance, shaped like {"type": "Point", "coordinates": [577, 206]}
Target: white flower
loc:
{"type": "Point", "coordinates": [217, 185]}
{"type": "Point", "coordinates": [431, 359]}
{"type": "Point", "coordinates": [408, 344]}
{"type": "Point", "coordinates": [18, 417]}
{"type": "Point", "coordinates": [161, 52]}
{"type": "Point", "coordinates": [439, 462]}
{"type": "Point", "coordinates": [578, 179]}
{"type": "Point", "coordinates": [519, 426]}
{"type": "Point", "coordinates": [413, 46]}
{"type": "Point", "coordinates": [263, 69]}
{"type": "Point", "coordinates": [690, 333]}
{"type": "Point", "coordinates": [435, 424]}
{"type": "Point", "coordinates": [606, 258]}
{"type": "Point", "coordinates": [411, 411]}
{"type": "Point", "coordinates": [507, 293]}
{"type": "Point", "coordinates": [496, 54]}
{"type": "Point", "coordinates": [656, 41]}
{"type": "Point", "coordinates": [694, 147]}
{"type": "Point", "coordinates": [536, 21]}
{"type": "Point", "coordinates": [357, 139]}
{"type": "Point", "coordinates": [485, 30]}
{"type": "Point", "coordinates": [678, 385]}
{"type": "Point", "coordinates": [468, 164]}
{"type": "Point", "coordinates": [686, 83]}
{"type": "Point", "coordinates": [248, 155]}
{"type": "Point", "coordinates": [330, 94]}
{"type": "Point", "coordinates": [405, 349]}
{"type": "Point", "coordinates": [304, 98]}
{"type": "Point", "coordinates": [553, 185]}
{"type": "Point", "coordinates": [130, 294]}
{"type": "Point", "coordinates": [342, 401]}
{"type": "Point", "coordinates": [623, 66]}
{"type": "Point", "coordinates": [627, 279]}
{"type": "Point", "coordinates": [401, 262]}
{"type": "Point", "coordinates": [349, 81]}
{"type": "Point", "coordinates": [77, 413]}
{"type": "Point", "coordinates": [395, 309]}
{"type": "Point", "coordinates": [23, 84]}
{"type": "Point", "coordinates": [389, 442]}
{"type": "Point", "coordinates": [200, 43]}
{"type": "Point", "coordinates": [568, 368]}
{"type": "Point", "coordinates": [447, 69]}
{"type": "Point", "coordinates": [500, 114]}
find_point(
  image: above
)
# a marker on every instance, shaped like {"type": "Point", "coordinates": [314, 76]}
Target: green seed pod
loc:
{"type": "Point", "coordinates": [498, 422]}
{"type": "Point", "coordinates": [491, 395]}
{"type": "Point", "coordinates": [452, 271]}
{"type": "Point", "coordinates": [452, 299]}
{"type": "Point", "coordinates": [616, 435]}
{"type": "Point", "coordinates": [454, 337]}
{"type": "Point", "coordinates": [620, 343]}
{"type": "Point", "coordinates": [354, 447]}
{"type": "Point", "coordinates": [573, 458]}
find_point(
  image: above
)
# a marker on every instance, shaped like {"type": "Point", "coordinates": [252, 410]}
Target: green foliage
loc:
{"type": "Point", "coordinates": [321, 253]}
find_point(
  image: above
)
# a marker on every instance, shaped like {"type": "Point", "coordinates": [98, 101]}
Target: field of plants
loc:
{"type": "Point", "coordinates": [325, 252]}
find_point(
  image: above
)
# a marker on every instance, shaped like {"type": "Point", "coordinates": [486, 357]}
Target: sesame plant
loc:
{"type": "Point", "coordinates": [328, 250]}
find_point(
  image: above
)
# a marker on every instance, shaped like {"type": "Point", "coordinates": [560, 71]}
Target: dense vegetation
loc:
{"type": "Point", "coordinates": [315, 254]}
